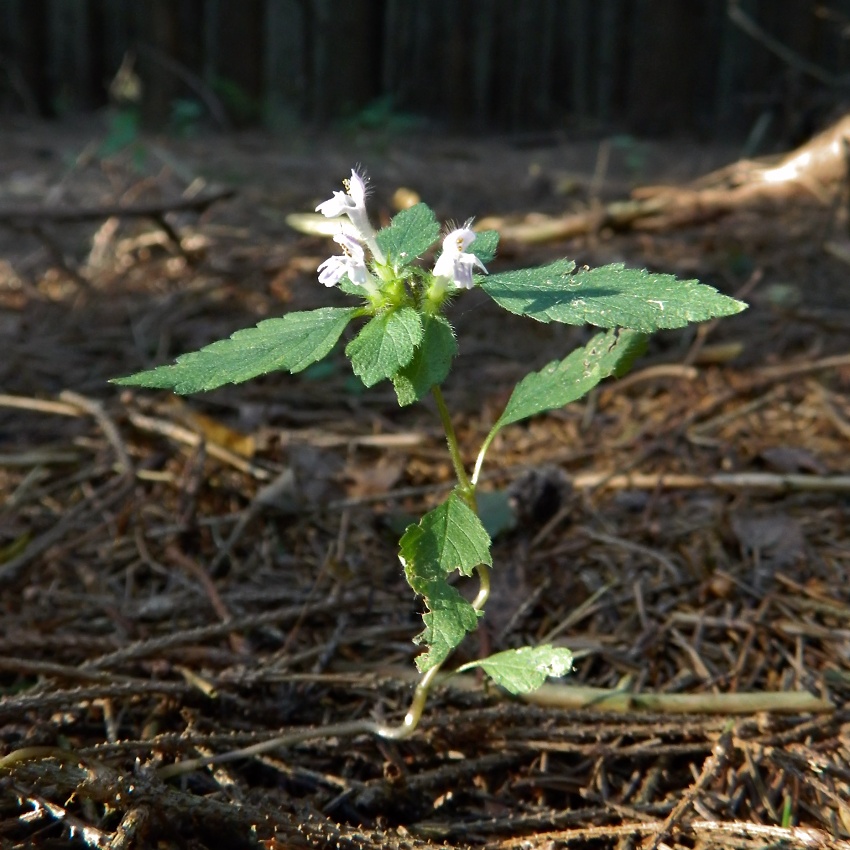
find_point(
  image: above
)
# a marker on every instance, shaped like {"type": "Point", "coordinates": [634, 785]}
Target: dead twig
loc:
{"type": "Point", "coordinates": [103, 498]}
{"type": "Point", "coordinates": [110, 430]}
{"type": "Point", "coordinates": [33, 216]}
{"type": "Point", "coordinates": [710, 769]}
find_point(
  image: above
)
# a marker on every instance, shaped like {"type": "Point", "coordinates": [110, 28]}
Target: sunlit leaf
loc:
{"type": "Point", "coordinates": [290, 343]}
{"type": "Point", "coordinates": [608, 297]}
{"type": "Point", "coordinates": [430, 364]}
{"type": "Point", "coordinates": [448, 538]}
{"type": "Point", "coordinates": [524, 670]}
{"type": "Point", "coordinates": [410, 233]}
{"type": "Point", "coordinates": [385, 345]}
{"type": "Point", "coordinates": [561, 382]}
{"type": "Point", "coordinates": [485, 244]}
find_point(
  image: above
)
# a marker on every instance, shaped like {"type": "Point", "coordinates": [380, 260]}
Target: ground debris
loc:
{"type": "Point", "coordinates": [184, 581]}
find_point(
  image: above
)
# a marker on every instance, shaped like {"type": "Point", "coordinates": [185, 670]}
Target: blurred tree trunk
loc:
{"type": "Point", "coordinates": [24, 44]}
{"type": "Point", "coordinates": [652, 66]}
{"type": "Point", "coordinates": [666, 35]}
{"type": "Point", "coordinates": [346, 59]}
{"type": "Point", "coordinates": [285, 63]}
{"type": "Point", "coordinates": [69, 59]}
{"type": "Point", "coordinates": [158, 27]}
{"type": "Point", "coordinates": [236, 57]}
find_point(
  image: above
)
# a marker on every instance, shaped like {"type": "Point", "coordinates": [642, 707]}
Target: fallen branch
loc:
{"type": "Point", "coordinates": [31, 216]}
{"type": "Point", "coordinates": [816, 169]}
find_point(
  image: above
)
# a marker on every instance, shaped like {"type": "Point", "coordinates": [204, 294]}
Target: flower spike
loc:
{"type": "Point", "coordinates": [352, 202]}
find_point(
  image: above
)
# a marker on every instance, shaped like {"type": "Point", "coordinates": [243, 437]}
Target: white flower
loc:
{"type": "Point", "coordinates": [352, 202]}
{"type": "Point", "coordinates": [351, 262]}
{"type": "Point", "coordinates": [454, 262]}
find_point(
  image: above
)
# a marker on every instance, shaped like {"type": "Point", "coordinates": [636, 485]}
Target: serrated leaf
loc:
{"type": "Point", "coordinates": [561, 382]}
{"type": "Point", "coordinates": [410, 233]}
{"type": "Point", "coordinates": [608, 297]}
{"type": "Point", "coordinates": [291, 342]}
{"type": "Point", "coordinates": [448, 538]}
{"type": "Point", "coordinates": [431, 362]}
{"type": "Point", "coordinates": [524, 670]}
{"type": "Point", "coordinates": [450, 617]}
{"type": "Point", "coordinates": [485, 244]}
{"type": "Point", "coordinates": [385, 345]}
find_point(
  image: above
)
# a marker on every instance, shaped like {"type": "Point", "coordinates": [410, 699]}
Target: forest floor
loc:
{"type": "Point", "coordinates": [186, 577]}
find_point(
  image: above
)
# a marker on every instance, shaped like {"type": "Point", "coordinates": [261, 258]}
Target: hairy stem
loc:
{"type": "Point", "coordinates": [466, 489]}
{"type": "Point", "coordinates": [479, 461]}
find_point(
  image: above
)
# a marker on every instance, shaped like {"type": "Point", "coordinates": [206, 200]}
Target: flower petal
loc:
{"type": "Point", "coordinates": [356, 187]}
{"type": "Point", "coordinates": [332, 271]}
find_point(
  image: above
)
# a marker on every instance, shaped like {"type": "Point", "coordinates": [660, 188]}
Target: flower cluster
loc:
{"type": "Point", "coordinates": [454, 265]}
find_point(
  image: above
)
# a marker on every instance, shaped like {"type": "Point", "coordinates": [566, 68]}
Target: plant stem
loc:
{"type": "Point", "coordinates": [479, 461]}
{"type": "Point", "coordinates": [423, 688]}
{"type": "Point", "coordinates": [466, 489]}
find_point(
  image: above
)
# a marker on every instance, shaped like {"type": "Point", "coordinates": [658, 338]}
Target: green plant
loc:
{"type": "Point", "coordinates": [407, 339]}
{"type": "Point", "coordinates": [124, 134]}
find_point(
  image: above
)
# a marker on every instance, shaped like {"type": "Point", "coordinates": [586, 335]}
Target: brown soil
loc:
{"type": "Point", "coordinates": [182, 578]}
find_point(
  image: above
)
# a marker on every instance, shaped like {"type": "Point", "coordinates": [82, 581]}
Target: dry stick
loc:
{"type": "Point", "coordinates": [39, 405]}
{"type": "Point", "coordinates": [549, 695]}
{"type": "Point", "coordinates": [31, 666]}
{"type": "Point", "coordinates": [792, 836]}
{"type": "Point", "coordinates": [237, 642]}
{"type": "Point", "coordinates": [131, 829]}
{"type": "Point", "coordinates": [153, 646]}
{"type": "Point", "coordinates": [40, 457]}
{"type": "Point", "coordinates": [42, 807]}
{"type": "Point", "coordinates": [712, 766]}
{"type": "Point", "coordinates": [34, 215]}
{"type": "Point", "coordinates": [110, 431]}
{"type": "Point", "coordinates": [763, 481]}
{"type": "Point", "coordinates": [102, 499]}
{"type": "Point", "coordinates": [346, 729]}
{"type": "Point", "coordinates": [16, 707]}
{"type": "Point", "coordinates": [99, 783]}
{"type": "Point", "coordinates": [188, 437]}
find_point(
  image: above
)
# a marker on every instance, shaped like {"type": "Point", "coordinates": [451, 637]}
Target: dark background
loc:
{"type": "Point", "coordinates": [649, 67]}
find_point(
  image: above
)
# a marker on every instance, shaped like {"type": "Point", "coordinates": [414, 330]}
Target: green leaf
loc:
{"type": "Point", "coordinates": [524, 670]}
{"type": "Point", "coordinates": [410, 233]}
{"type": "Point", "coordinates": [561, 382]}
{"type": "Point", "coordinates": [431, 362]}
{"type": "Point", "coordinates": [385, 345]}
{"type": "Point", "coordinates": [608, 297]}
{"type": "Point", "coordinates": [291, 343]}
{"type": "Point", "coordinates": [485, 244]}
{"type": "Point", "coordinates": [449, 619]}
{"type": "Point", "coordinates": [448, 538]}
